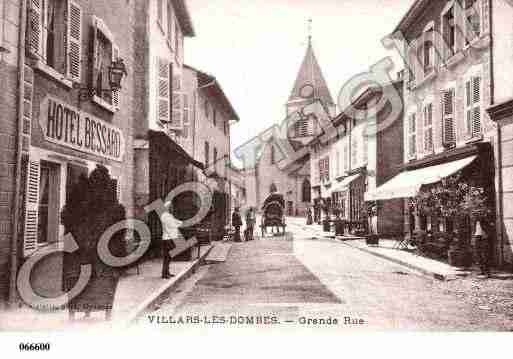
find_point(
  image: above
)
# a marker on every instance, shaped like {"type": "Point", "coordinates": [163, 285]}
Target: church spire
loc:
{"type": "Point", "coordinates": [310, 76]}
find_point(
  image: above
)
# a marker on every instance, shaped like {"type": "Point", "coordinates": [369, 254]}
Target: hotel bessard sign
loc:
{"type": "Point", "coordinates": [67, 126]}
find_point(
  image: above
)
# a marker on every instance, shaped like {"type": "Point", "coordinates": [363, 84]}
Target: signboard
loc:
{"type": "Point", "coordinates": [67, 126]}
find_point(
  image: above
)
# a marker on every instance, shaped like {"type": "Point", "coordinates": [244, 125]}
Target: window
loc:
{"type": "Point", "coordinates": [412, 136]}
{"type": "Point", "coordinates": [164, 94]}
{"type": "Point", "coordinates": [473, 106]}
{"type": "Point", "coordinates": [55, 38]}
{"type": "Point", "coordinates": [306, 191]}
{"type": "Point", "coordinates": [412, 62]}
{"type": "Point", "coordinates": [207, 154]}
{"type": "Point", "coordinates": [169, 21]}
{"type": "Point", "coordinates": [178, 36]}
{"type": "Point", "coordinates": [206, 109]}
{"type": "Point", "coordinates": [160, 12]}
{"type": "Point", "coordinates": [472, 10]}
{"type": "Point", "coordinates": [354, 153]}
{"type": "Point", "coordinates": [186, 114]}
{"type": "Point", "coordinates": [337, 163]}
{"type": "Point", "coordinates": [177, 120]}
{"type": "Point", "coordinates": [346, 158]}
{"type": "Point", "coordinates": [301, 127]}
{"type": "Point", "coordinates": [324, 169]}
{"type": "Point", "coordinates": [449, 33]}
{"type": "Point", "coordinates": [428, 51]}
{"type": "Point", "coordinates": [449, 133]}
{"type": "Point", "coordinates": [215, 158]}
{"type": "Point", "coordinates": [428, 128]}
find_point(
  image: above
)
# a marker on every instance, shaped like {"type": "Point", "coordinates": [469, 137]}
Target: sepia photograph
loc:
{"type": "Point", "coordinates": [237, 166]}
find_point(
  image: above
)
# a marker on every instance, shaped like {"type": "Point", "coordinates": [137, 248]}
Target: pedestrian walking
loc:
{"type": "Point", "coordinates": [250, 223]}
{"type": "Point", "coordinates": [237, 223]}
{"type": "Point", "coordinates": [170, 233]}
{"type": "Point", "coordinates": [309, 220]}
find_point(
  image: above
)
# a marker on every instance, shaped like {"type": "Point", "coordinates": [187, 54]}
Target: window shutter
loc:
{"type": "Point", "coordinates": [412, 135]}
{"type": "Point", "coordinates": [476, 103]}
{"type": "Point", "coordinates": [117, 188]}
{"type": "Point", "coordinates": [186, 114]}
{"type": "Point", "coordinates": [346, 158]}
{"type": "Point", "coordinates": [177, 105]}
{"type": "Point", "coordinates": [74, 39]}
{"type": "Point", "coordinates": [163, 92]}
{"type": "Point", "coordinates": [449, 135]}
{"type": "Point", "coordinates": [35, 30]}
{"type": "Point", "coordinates": [115, 93]}
{"type": "Point", "coordinates": [428, 128]}
{"type": "Point", "coordinates": [31, 207]}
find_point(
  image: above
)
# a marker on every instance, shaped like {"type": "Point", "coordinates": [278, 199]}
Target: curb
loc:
{"type": "Point", "coordinates": [426, 272]}
{"type": "Point", "coordinates": [164, 289]}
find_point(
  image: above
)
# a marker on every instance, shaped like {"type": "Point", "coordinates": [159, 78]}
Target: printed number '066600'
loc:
{"type": "Point", "coordinates": [34, 347]}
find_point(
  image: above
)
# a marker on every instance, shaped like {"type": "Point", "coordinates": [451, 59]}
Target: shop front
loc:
{"type": "Point", "coordinates": [66, 142]}
{"type": "Point", "coordinates": [446, 195]}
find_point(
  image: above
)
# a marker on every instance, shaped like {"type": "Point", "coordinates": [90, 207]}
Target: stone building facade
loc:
{"type": "Point", "coordinates": [70, 119]}
{"type": "Point", "coordinates": [457, 67]}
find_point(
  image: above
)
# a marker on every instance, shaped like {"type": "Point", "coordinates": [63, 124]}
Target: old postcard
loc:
{"type": "Point", "coordinates": [182, 165]}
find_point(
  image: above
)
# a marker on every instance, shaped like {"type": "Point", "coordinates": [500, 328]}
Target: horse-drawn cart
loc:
{"type": "Point", "coordinates": [273, 214]}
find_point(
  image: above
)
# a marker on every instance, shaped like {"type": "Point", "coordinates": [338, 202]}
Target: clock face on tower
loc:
{"type": "Point", "coordinates": [307, 91]}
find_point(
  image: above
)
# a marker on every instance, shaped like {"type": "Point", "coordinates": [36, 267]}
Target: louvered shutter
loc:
{"type": "Point", "coordinates": [115, 93]}
{"type": "Point", "coordinates": [476, 106]}
{"type": "Point", "coordinates": [35, 30]}
{"type": "Point", "coordinates": [163, 92]}
{"type": "Point", "coordinates": [116, 186]}
{"type": "Point", "coordinates": [74, 41]}
{"type": "Point", "coordinates": [428, 128]}
{"type": "Point", "coordinates": [186, 114]}
{"type": "Point", "coordinates": [31, 207]}
{"type": "Point", "coordinates": [177, 105]}
{"type": "Point", "coordinates": [449, 135]}
{"type": "Point", "coordinates": [412, 137]}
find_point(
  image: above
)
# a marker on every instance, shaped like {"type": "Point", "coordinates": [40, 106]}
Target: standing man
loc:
{"type": "Point", "coordinates": [170, 233]}
{"type": "Point", "coordinates": [250, 223]}
{"type": "Point", "coordinates": [237, 223]}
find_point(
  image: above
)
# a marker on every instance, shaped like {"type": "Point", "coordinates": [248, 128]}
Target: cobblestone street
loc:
{"type": "Point", "coordinates": [295, 279]}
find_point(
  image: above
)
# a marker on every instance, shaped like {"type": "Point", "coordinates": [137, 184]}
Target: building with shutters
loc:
{"type": "Point", "coordinates": [271, 168]}
{"type": "Point", "coordinates": [458, 64]}
{"type": "Point", "coordinates": [358, 158]}
{"type": "Point", "coordinates": [70, 120]}
{"type": "Point", "coordinates": [163, 157]}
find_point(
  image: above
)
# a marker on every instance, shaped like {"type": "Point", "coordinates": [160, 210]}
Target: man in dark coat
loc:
{"type": "Point", "coordinates": [250, 223]}
{"type": "Point", "coordinates": [237, 223]}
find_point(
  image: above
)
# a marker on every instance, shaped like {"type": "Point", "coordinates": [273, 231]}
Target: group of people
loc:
{"type": "Point", "coordinates": [250, 224]}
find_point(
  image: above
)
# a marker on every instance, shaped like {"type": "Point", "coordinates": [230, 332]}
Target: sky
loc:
{"type": "Point", "coordinates": [255, 48]}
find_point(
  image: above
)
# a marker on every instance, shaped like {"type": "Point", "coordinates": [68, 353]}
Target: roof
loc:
{"type": "Point", "coordinates": [184, 17]}
{"type": "Point", "coordinates": [310, 73]}
{"type": "Point", "coordinates": [212, 87]}
{"type": "Point", "coordinates": [413, 12]}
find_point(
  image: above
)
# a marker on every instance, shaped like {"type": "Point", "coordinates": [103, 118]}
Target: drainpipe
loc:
{"type": "Point", "coordinates": [498, 195]}
{"type": "Point", "coordinates": [13, 271]}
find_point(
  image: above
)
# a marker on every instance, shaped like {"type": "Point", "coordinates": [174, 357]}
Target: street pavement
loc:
{"type": "Point", "coordinates": [305, 279]}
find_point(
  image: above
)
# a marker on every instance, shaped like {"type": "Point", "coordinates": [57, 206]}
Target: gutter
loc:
{"type": "Point", "coordinates": [13, 270]}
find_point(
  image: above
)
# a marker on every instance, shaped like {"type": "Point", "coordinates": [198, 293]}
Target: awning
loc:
{"type": "Point", "coordinates": [342, 185]}
{"type": "Point", "coordinates": [407, 184]}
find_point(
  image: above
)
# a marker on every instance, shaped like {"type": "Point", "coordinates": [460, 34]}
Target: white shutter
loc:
{"type": "Point", "coordinates": [186, 114]}
{"type": "Point", "coordinates": [177, 105]}
{"type": "Point", "coordinates": [31, 207]}
{"type": "Point", "coordinates": [449, 135]}
{"type": "Point", "coordinates": [35, 30]}
{"type": "Point", "coordinates": [476, 105]}
{"type": "Point", "coordinates": [115, 93]}
{"type": "Point", "coordinates": [163, 91]}
{"type": "Point", "coordinates": [412, 135]}
{"type": "Point", "coordinates": [428, 128]}
{"type": "Point", "coordinates": [74, 41]}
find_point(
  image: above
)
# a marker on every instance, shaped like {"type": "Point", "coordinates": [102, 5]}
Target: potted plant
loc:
{"type": "Point", "coordinates": [90, 210]}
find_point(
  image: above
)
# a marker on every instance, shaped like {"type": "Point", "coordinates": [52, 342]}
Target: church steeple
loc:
{"type": "Point", "coordinates": [310, 79]}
